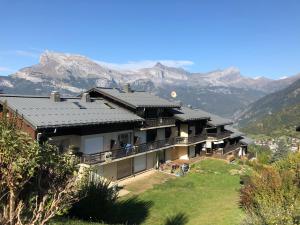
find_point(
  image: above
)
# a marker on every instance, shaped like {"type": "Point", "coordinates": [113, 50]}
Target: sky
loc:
{"type": "Point", "coordinates": [260, 37]}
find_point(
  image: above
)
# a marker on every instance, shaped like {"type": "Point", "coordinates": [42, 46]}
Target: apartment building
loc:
{"type": "Point", "coordinates": [123, 132]}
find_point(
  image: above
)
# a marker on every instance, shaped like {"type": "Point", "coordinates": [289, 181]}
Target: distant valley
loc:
{"type": "Point", "coordinates": [224, 92]}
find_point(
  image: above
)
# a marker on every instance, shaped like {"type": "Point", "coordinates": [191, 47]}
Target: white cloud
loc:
{"type": "Point", "coordinates": [135, 65]}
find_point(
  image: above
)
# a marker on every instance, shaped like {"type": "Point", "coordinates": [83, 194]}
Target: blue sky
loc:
{"type": "Point", "coordinates": [260, 37]}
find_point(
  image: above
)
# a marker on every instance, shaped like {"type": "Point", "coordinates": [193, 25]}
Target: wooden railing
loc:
{"type": "Point", "coordinates": [159, 122]}
{"type": "Point", "coordinates": [221, 135]}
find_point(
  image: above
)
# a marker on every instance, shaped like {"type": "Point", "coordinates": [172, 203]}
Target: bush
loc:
{"type": "Point", "coordinates": [97, 199]}
{"type": "Point", "coordinates": [271, 195]}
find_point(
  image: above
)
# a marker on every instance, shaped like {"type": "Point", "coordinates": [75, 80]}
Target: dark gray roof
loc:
{"type": "Point", "coordinates": [247, 141]}
{"type": "Point", "coordinates": [136, 99]}
{"type": "Point", "coordinates": [187, 114]}
{"type": "Point", "coordinates": [235, 132]}
{"type": "Point", "coordinates": [218, 121]}
{"type": "Point", "coordinates": [41, 112]}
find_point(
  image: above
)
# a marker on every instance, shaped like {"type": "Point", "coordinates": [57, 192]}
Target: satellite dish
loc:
{"type": "Point", "coordinates": [173, 94]}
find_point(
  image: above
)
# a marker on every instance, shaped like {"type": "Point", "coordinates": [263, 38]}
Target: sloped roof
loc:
{"type": "Point", "coordinates": [247, 140]}
{"type": "Point", "coordinates": [218, 121]}
{"type": "Point", "coordinates": [42, 112]}
{"type": "Point", "coordinates": [235, 132]}
{"type": "Point", "coordinates": [136, 99]}
{"type": "Point", "coordinates": [187, 114]}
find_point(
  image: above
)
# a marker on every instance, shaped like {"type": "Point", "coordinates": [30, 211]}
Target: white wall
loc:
{"type": "Point", "coordinates": [184, 130]}
{"type": "Point", "coordinates": [77, 141]}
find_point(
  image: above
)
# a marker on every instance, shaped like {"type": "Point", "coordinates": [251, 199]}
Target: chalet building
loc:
{"type": "Point", "coordinates": [124, 132]}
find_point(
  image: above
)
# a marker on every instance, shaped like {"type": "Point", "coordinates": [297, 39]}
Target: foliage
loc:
{"type": "Point", "coordinates": [278, 124]}
{"type": "Point", "coordinates": [208, 189]}
{"type": "Point", "coordinates": [281, 152]}
{"type": "Point", "coordinates": [272, 196]}
{"type": "Point", "coordinates": [262, 153]}
{"type": "Point", "coordinates": [37, 182]}
{"type": "Point", "coordinates": [97, 199]}
{"type": "Point", "coordinates": [98, 203]}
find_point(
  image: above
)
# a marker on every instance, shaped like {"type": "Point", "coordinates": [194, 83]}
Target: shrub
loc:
{"type": "Point", "coordinates": [271, 195]}
{"type": "Point", "coordinates": [97, 199]}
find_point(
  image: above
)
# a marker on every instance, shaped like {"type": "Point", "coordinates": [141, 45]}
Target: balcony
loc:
{"type": "Point", "coordinates": [158, 122]}
{"type": "Point", "coordinates": [129, 150]}
{"type": "Point", "coordinates": [190, 140]}
{"type": "Point", "coordinates": [221, 135]}
{"type": "Point", "coordinates": [231, 148]}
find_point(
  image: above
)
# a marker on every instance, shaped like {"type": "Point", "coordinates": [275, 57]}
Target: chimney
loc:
{"type": "Point", "coordinates": [55, 96]}
{"type": "Point", "coordinates": [86, 97]}
{"type": "Point", "coordinates": [127, 88]}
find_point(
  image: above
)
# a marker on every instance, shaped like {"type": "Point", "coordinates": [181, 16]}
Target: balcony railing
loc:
{"type": "Point", "coordinates": [221, 135]}
{"type": "Point", "coordinates": [158, 122]}
{"type": "Point", "coordinates": [129, 150]}
{"type": "Point", "coordinates": [191, 139]}
{"type": "Point", "coordinates": [231, 148]}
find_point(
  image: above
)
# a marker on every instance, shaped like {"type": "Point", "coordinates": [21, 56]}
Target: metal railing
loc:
{"type": "Point", "coordinates": [191, 139]}
{"type": "Point", "coordinates": [159, 122]}
{"type": "Point", "coordinates": [221, 135]}
{"type": "Point", "coordinates": [231, 148]}
{"type": "Point", "coordinates": [129, 150]}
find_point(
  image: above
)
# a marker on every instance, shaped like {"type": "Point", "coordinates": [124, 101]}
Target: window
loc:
{"type": "Point", "coordinates": [92, 144]}
{"type": "Point", "coordinates": [124, 139]}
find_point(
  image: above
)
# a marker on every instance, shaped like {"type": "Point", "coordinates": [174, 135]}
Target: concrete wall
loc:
{"type": "Point", "coordinates": [151, 160]}
{"type": "Point", "coordinates": [183, 152]}
{"type": "Point", "coordinates": [184, 129]}
{"type": "Point", "coordinates": [110, 171]}
{"type": "Point", "coordinates": [174, 131]}
{"type": "Point", "coordinates": [160, 134]}
{"type": "Point", "coordinates": [180, 152]}
{"type": "Point", "coordinates": [168, 153]}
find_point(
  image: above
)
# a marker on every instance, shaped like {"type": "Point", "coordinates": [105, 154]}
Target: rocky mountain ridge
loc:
{"type": "Point", "coordinates": [222, 91]}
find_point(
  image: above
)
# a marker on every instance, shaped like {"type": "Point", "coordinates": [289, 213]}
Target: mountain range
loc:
{"type": "Point", "coordinates": [224, 92]}
{"type": "Point", "coordinates": [275, 114]}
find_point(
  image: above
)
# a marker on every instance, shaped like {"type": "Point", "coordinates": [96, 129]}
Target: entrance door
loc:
{"type": "Point", "coordinates": [139, 163]}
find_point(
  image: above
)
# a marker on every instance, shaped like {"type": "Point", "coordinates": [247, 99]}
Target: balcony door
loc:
{"type": "Point", "coordinates": [92, 144]}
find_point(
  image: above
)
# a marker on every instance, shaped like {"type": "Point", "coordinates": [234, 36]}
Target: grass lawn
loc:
{"type": "Point", "coordinates": [209, 194]}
